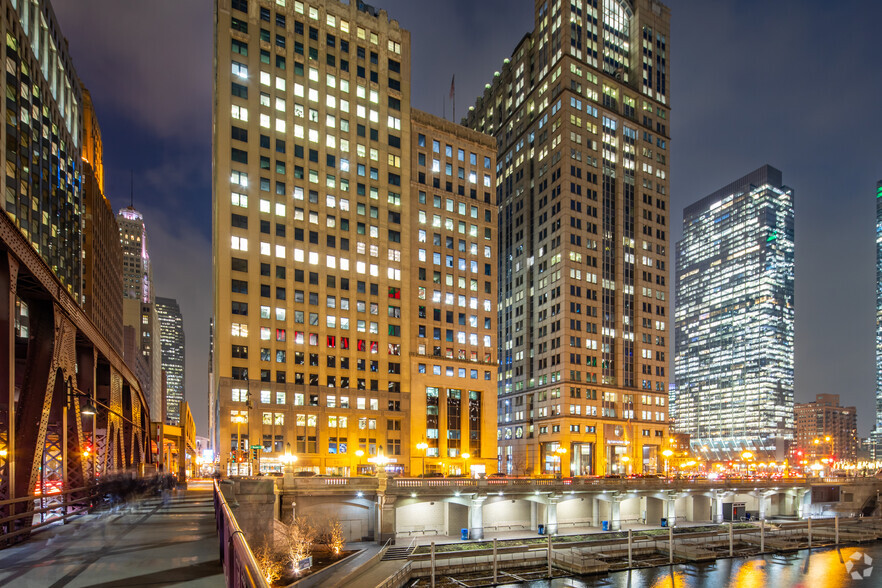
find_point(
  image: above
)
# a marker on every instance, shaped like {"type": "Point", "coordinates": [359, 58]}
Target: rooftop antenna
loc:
{"type": "Point", "coordinates": [132, 188]}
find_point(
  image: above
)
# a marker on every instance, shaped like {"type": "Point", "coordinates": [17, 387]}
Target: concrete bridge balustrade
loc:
{"type": "Point", "coordinates": [405, 507]}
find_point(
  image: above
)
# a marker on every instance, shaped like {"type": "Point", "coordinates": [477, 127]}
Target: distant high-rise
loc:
{"type": "Point", "coordinates": [580, 113]}
{"type": "Point", "coordinates": [171, 335]}
{"type": "Point", "coordinates": [824, 429]}
{"type": "Point", "coordinates": [137, 273]}
{"type": "Point", "coordinates": [734, 319]}
{"type": "Point", "coordinates": [139, 310]}
{"type": "Point", "coordinates": [875, 441]}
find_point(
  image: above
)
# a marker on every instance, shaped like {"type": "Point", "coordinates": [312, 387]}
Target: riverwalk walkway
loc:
{"type": "Point", "coordinates": [145, 544]}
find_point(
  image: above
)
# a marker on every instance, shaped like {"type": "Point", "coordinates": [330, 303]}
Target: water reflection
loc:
{"type": "Point", "coordinates": [821, 568]}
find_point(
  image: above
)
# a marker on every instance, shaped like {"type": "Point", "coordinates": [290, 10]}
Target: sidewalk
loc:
{"type": "Point", "coordinates": [147, 544]}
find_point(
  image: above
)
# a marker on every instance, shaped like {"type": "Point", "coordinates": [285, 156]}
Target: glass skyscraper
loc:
{"type": "Point", "coordinates": [876, 435]}
{"type": "Point", "coordinates": [734, 319]}
{"type": "Point", "coordinates": [171, 336]}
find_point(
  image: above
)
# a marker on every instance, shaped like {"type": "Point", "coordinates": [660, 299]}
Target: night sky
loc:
{"type": "Point", "coordinates": [792, 83]}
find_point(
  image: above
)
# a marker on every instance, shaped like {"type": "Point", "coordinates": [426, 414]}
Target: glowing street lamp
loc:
{"type": "Point", "coordinates": [358, 455]}
{"type": "Point", "coordinates": [560, 451]}
{"type": "Point", "coordinates": [667, 453]}
{"type": "Point", "coordinates": [423, 446]}
{"type": "Point", "coordinates": [465, 460]}
{"type": "Point", "coordinates": [381, 461]}
{"type": "Point", "coordinates": [238, 419]}
{"type": "Point", "coordinates": [289, 460]}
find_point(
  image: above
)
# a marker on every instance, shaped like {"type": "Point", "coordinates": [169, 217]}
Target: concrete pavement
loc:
{"type": "Point", "coordinates": [145, 545]}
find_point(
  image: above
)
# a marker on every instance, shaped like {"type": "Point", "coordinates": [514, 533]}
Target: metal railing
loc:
{"type": "Point", "coordinates": [59, 506]}
{"type": "Point", "coordinates": [240, 567]}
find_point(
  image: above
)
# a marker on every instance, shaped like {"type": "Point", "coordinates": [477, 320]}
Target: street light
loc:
{"type": "Point", "coordinates": [358, 454]}
{"type": "Point", "coordinates": [625, 460]}
{"type": "Point", "coordinates": [667, 453]}
{"type": "Point", "coordinates": [465, 457]}
{"type": "Point", "coordinates": [560, 451]}
{"type": "Point", "coordinates": [238, 419]}
{"type": "Point", "coordinates": [381, 461]}
{"type": "Point", "coordinates": [423, 446]}
{"type": "Point", "coordinates": [289, 460]}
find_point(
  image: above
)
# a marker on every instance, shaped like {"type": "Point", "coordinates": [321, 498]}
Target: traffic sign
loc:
{"type": "Point", "coordinates": [256, 446]}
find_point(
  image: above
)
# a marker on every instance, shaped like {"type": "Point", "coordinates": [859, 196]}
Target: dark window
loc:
{"type": "Point", "coordinates": [238, 155]}
{"type": "Point", "coordinates": [394, 66]}
{"type": "Point", "coordinates": [238, 25]}
{"type": "Point", "coordinates": [239, 221]}
{"type": "Point", "coordinates": [239, 90]}
{"type": "Point", "coordinates": [238, 134]}
{"type": "Point", "coordinates": [240, 5]}
{"type": "Point", "coordinates": [239, 287]}
{"type": "Point", "coordinates": [239, 265]}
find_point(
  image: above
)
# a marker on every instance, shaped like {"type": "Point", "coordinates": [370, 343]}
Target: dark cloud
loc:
{"type": "Point", "coordinates": [794, 83]}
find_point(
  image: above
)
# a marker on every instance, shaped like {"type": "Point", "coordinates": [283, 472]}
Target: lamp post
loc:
{"type": "Point", "coordinates": [667, 453]}
{"type": "Point", "coordinates": [626, 460]}
{"type": "Point", "coordinates": [238, 419]}
{"type": "Point", "coordinates": [560, 451]}
{"type": "Point", "coordinates": [358, 454]}
{"type": "Point", "coordinates": [465, 460]}
{"type": "Point", "coordinates": [381, 461]}
{"type": "Point", "coordinates": [423, 446]}
{"type": "Point", "coordinates": [289, 461]}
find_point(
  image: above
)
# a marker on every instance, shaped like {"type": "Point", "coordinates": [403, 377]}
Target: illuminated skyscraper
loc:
{"type": "Point", "coordinates": [876, 435]}
{"type": "Point", "coordinates": [734, 319]}
{"type": "Point", "coordinates": [354, 251]}
{"type": "Point", "coordinates": [171, 327]}
{"type": "Point", "coordinates": [580, 115]}
{"type": "Point", "coordinates": [139, 310]}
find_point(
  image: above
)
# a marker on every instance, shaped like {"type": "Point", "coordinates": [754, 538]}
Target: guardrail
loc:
{"type": "Point", "coordinates": [521, 484]}
{"type": "Point", "coordinates": [59, 506]}
{"type": "Point", "coordinates": [240, 567]}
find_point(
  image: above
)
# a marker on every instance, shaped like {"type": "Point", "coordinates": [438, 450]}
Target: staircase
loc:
{"type": "Point", "coordinates": [397, 553]}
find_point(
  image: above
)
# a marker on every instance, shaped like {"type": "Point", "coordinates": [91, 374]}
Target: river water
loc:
{"type": "Point", "coordinates": [818, 568]}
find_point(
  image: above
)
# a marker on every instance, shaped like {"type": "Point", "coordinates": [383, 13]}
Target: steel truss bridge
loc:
{"type": "Point", "coordinates": [55, 369]}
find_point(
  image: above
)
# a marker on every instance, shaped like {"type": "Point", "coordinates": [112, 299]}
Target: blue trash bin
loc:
{"type": "Point", "coordinates": [664, 522]}
{"type": "Point", "coordinates": [605, 526]}
{"type": "Point", "coordinates": [464, 533]}
{"type": "Point", "coordinates": [541, 529]}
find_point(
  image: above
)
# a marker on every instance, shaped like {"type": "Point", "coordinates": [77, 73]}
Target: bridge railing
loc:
{"type": "Point", "coordinates": [520, 484]}
{"type": "Point", "coordinates": [240, 567]}
{"type": "Point", "coordinates": [589, 483]}
{"type": "Point", "coordinates": [53, 507]}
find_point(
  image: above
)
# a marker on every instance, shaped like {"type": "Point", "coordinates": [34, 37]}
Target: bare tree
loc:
{"type": "Point", "coordinates": [270, 563]}
{"type": "Point", "coordinates": [331, 536]}
{"type": "Point", "coordinates": [300, 535]}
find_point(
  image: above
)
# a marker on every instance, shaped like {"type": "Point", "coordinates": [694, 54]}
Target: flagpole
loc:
{"type": "Point", "coordinates": [453, 95]}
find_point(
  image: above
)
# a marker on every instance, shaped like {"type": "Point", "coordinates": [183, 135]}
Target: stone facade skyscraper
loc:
{"type": "Point", "coordinates": [581, 116]}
